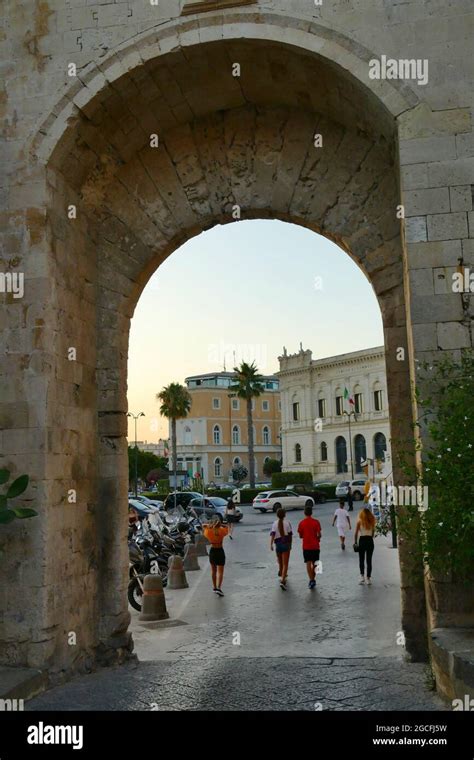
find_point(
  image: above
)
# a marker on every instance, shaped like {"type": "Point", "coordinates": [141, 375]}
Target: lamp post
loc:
{"type": "Point", "coordinates": [349, 414]}
{"type": "Point", "coordinates": [230, 396]}
{"type": "Point", "coordinates": [135, 417]}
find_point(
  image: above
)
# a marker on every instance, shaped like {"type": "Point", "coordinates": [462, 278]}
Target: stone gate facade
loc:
{"type": "Point", "coordinates": [129, 127]}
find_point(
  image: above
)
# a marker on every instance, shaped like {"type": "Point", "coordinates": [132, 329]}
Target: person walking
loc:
{"type": "Point", "coordinates": [309, 530]}
{"type": "Point", "coordinates": [365, 527]}
{"type": "Point", "coordinates": [342, 522]}
{"type": "Point", "coordinates": [215, 534]}
{"type": "Point", "coordinates": [281, 536]}
{"type": "Point", "coordinates": [230, 514]}
{"type": "Point", "coordinates": [350, 499]}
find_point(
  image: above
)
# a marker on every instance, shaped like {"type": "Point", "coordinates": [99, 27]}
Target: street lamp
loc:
{"type": "Point", "coordinates": [135, 417]}
{"type": "Point", "coordinates": [349, 414]}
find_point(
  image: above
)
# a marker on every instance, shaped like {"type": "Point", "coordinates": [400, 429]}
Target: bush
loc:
{"type": "Point", "coordinates": [283, 479]}
{"type": "Point", "coordinates": [328, 488]}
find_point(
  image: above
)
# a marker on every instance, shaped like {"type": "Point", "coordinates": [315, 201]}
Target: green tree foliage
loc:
{"type": "Point", "coordinates": [248, 385]}
{"type": "Point", "coordinates": [271, 466]}
{"type": "Point", "coordinates": [147, 461]}
{"type": "Point", "coordinates": [15, 489]}
{"type": "Point", "coordinates": [445, 402]}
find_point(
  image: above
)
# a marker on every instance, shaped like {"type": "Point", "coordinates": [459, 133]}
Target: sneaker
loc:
{"type": "Point", "coordinates": [362, 579]}
{"type": "Point", "coordinates": [312, 584]}
{"type": "Point", "coordinates": [231, 538]}
{"type": "Point", "coordinates": [282, 585]}
{"type": "Point", "coordinates": [219, 592]}
{"type": "Point", "coordinates": [343, 547]}
{"type": "Point", "coordinates": [369, 582]}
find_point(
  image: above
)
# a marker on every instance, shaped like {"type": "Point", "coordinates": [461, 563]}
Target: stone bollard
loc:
{"type": "Point", "coordinates": [191, 561]}
{"type": "Point", "coordinates": [176, 574]}
{"type": "Point", "coordinates": [153, 600]}
{"type": "Point", "coordinates": [201, 545]}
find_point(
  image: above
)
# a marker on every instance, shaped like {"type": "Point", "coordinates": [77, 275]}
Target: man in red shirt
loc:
{"type": "Point", "coordinates": [309, 530]}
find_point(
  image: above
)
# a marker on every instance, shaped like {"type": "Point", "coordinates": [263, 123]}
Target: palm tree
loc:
{"type": "Point", "coordinates": [248, 386]}
{"type": "Point", "coordinates": [175, 405]}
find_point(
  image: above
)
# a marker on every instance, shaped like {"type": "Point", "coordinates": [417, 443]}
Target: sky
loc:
{"type": "Point", "coordinates": [249, 287]}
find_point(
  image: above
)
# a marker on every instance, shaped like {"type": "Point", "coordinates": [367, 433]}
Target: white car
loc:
{"type": "Point", "coordinates": [270, 501]}
{"type": "Point", "coordinates": [357, 488]}
{"type": "Point", "coordinates": [155, 503]}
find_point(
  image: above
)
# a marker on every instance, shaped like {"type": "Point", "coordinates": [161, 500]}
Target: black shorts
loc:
{"type": "Point", "coordinates": [217, 555]}
{"type": "Point", "coordinates": [311, 555]}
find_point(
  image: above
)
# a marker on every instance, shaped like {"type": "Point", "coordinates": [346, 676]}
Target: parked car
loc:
{"type": "Point", "coordinates": [182, 499]}
{"type": "Point", "coordinates": [357, 487]}
{"type": "Point", "coordinates": [304, 489]}
{"type": "Point", "coordinates": [270, 501]}
{"type": "Point", "coordinates": [212, 506]}
{"type": "Point", "coordinates": [150, 502]}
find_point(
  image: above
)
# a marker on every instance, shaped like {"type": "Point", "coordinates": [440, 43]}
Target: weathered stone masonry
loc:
{"type": "Point", "coordinates": [84, 140]}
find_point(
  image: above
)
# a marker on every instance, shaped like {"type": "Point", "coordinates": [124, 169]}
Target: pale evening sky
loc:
{"type": "Point", "coordinates": [251, 287]}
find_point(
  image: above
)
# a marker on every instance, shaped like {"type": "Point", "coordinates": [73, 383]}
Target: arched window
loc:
{"type": "Point", "coordinates": [297, 453]}
{"type": "Point", "coordinates": [236, 435]}
{"type": "Point", "coordinates": [360, 451]}
{"type": "Point", "coordinates": [266, 436]}
{"type": "Point", "coordinates": [267, 459]}
{"type": "Point", "coordinates": [378, 396]}
{"type": "Point", "coordinates": [218, 467]}
{"type": "Point", "coordinates": [341, 454]}
{"type": "Point", "coordinates": [380, 446]}
{"type": "Point", "coordinates": [187, 436]}
{"type": "Point", "coordinates": [217, 435]}
{"type": "Point", "coordinates": [237, 461]}
{"type": "Point", "coordinates": [324, 452]}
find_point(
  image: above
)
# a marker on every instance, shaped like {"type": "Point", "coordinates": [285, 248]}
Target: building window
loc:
{"type": "Point", "coordinates": [216, 403]}
{"type": "Point", "coordinates": [267, 459]}
{"type": "Point", "coordinates": [266, 436]}
{"type": "Point", "coordinates": [360, 452]}
{"type": "Point", "coordinates": [237, 461]}
{"type": "Point", "coordinates": [296, 411]}
{"type": "Point", "coordinates": [235, 435]}
{"type": "Point", "coordinates": [266, 406]}
{"type": "Point", "coordinates": [297, 453]}
{"type": "Point", "coordinates": [358, 403]}
{"type": "Point", "coordinates": [235, 404]}
{"type": "Point", "coordinates": [321, 408]}
{"type": "Point", "coordinates": [378, 401]}
{"type": "Point", "coordinates": [218, 467]}
{"type": "Point", "coordinates": [324, 452]}
{"type": "Point", "coordinates": [380, 446]}
{"type": "Point", "coordinates": [341, 454]}
{"type": "Point", "coordinates": [217, 435]}
{"type": "Point", "coordinates": [339, 406]}
{"type": "Point", "coordinates": [187, 436]}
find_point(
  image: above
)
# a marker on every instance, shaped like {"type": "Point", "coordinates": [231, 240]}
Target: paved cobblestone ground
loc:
{"type": "Point", "coordinates": [336, 646]}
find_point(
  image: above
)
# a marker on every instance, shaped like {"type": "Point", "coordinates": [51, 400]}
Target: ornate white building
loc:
{"type": "Point", "coordinates": [317, 413]}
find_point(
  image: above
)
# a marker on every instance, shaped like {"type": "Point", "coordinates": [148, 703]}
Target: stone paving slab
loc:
{"type": "Point", "coordinates": [269, 683]}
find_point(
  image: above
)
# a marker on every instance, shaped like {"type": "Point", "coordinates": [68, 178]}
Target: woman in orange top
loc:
{"type": "Point", "coordinates": [215, 534]}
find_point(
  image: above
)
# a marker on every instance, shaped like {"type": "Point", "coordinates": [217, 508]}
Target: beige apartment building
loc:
{"type": "Point", "coordinates": [213, 437]}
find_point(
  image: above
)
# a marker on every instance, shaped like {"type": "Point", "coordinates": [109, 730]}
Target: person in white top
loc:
{"type": "Point", "coordinates": [342, 522]}
{"type": "Point", "coordinates": [281, 536]}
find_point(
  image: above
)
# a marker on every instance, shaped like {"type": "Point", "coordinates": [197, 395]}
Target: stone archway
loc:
{"type": "Point", "coordinates": [223, 142]}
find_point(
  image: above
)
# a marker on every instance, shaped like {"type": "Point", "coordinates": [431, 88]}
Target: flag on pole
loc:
{"type": "Point", "coordinates": [347, 396]}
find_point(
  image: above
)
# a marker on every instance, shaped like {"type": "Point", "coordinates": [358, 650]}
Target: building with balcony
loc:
{"type": "Point", "coordinates": [322, 431]}
{"type": "Point", "coordinates": [213, 439]}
